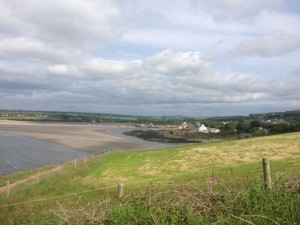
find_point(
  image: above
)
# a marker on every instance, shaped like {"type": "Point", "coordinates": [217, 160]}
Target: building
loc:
{"type": "Point", "coordinates": [203, 129]}
{"type": "Point", "coordinates": [214, 130]}
{"type": "Point", "coordinates": [187, 127]}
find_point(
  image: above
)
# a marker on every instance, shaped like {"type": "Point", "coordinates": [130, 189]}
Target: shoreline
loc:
{"type": "Point", "coordinates": [27, 145]}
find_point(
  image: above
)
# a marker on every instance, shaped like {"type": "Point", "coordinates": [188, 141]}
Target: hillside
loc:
{"type": "Point", "coordinates": [230, 168]}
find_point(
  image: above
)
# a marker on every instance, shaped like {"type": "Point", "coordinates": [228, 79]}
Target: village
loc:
{"type": "Point", "coordinates": [184, 133]}
{"type": "Point", "coordinates": [198, 128]}
{"type": "Point", "coordinates": [185, 126]}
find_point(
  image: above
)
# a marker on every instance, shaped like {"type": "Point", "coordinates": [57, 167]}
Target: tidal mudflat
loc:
{"type": "Point", "coordinates": [26, 145]}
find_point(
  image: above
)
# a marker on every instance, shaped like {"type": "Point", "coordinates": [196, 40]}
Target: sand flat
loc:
{"type": "Point", "coordinates": [83, 137]}
{"type": "Point", "coordinates": [26, 145]}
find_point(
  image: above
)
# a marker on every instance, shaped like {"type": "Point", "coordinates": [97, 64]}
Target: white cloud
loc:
{"type": "Point", "coordinates": [109, 68]}
{"type": "Point", "coordinates": [61, 69]}
{"type": "Point", "coordinates": [64, 23]}
{"type": "Point", "coordinates": [267, 46]}
{"type": "Point", "coordinates": [270, 22]}
{"type": "Point", "coordinates": [8, 24]}
{"type": "Point", "coordinates": [169, 78]}
{"type": "Point", "coordinates": [177, 63]}
{"type": "Point", "coordinates": [32, 49]}
{"type": "Point", "coordinates": [235, 9]}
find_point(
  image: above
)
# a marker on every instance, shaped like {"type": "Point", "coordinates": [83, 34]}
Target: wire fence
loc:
{"type": "Point", "coordinates": [212, 177]}
{"type": "Point", "coordinates": [58, 168]}
{"type": "Point", "coordinates": [209, 171]}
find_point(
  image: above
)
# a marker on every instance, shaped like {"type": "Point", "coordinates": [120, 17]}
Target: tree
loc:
{"type": "Point", "coordinates": [255, 123]}
{"type": "Point", "coordinates": [243, 126]}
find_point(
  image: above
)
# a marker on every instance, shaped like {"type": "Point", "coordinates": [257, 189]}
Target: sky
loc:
{"type": "Point", "coordinates": [158, 57]}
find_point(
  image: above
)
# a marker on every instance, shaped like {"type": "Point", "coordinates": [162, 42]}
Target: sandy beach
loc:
{"type": "Point", "coordinates": [83, 137]}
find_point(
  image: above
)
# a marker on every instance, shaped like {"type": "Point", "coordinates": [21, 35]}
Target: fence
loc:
{"type": "Point", "coordinates": [119, 187]}
{"type": "Point", "coordinates": [58, 169]}
{"type": "Point", "coordinates": [52, 207]}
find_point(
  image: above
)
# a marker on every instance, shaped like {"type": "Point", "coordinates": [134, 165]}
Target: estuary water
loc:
{"type": "Point", "coordinates": [19, 151]}
{"type": "Point", "coordinates": [22, 153]}
{"type": "Point", "coordinates": [148, 144]}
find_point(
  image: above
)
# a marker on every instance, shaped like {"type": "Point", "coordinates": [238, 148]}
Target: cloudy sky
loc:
{"type": "Point", "coordinates": [158, 57]}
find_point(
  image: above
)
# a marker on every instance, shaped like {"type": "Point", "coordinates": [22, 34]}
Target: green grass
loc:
{"type": "Point", "coordinates": [167, 186]}
{"type": "Point", "coordinates": [189, 205]}
{"type": "Point", "coordinates": [23, 174]}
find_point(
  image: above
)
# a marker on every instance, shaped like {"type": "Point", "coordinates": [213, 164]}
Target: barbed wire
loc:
{"type": "Point", "coordinates": [212, 167]}
{"type": "Point", "coordinates": [56, 197]}
{"type": "Point", "coordinates": [70, 163]}
{"type": "Point", "coordinates": [204, 169]}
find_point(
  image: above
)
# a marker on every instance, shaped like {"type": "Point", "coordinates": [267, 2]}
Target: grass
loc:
{"type": "Point", "coordinates": [167, 162]}
{"type": "Point", "coordinates": [188, 204]}
{"type": "Point", "coordinates": [23, 174]}
{"type": "Point", "coordinates": [168, 186]}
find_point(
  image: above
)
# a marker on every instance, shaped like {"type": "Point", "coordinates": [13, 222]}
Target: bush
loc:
{"type": "Point", "coordinates": [258, 133]}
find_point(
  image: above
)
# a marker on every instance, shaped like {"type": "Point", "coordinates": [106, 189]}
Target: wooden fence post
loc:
{"type": "Point", "coordinates": [7, 188]}
{"type": "Point", "coordinates": [120, 192]}
{"type": "Point", "coordinates": [75, 163]}
{"type": "Point", "coordinates": [84, 159]}
{"type": "Point", "coordinates": [267, 173]}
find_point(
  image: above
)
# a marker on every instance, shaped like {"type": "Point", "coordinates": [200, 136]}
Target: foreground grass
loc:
{"type": "Point", "coordinates": [188, 204]}
{"type": "Point", "coordinates": [170, 182]}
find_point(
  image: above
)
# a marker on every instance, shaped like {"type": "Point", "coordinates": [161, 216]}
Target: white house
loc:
{"type": "Point", "coordinates": [203, 129]}
{"type": "Point", "coordinates": [214, 130]}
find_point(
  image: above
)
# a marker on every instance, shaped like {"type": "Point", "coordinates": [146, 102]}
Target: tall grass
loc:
{"type": "Point", "coordinates": [186, 203]}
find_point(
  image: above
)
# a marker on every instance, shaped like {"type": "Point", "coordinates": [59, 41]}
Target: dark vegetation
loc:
{"type": "Point", "coordinates": [158, 136]}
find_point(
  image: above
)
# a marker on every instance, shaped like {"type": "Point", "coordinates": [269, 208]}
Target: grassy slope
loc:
{"type": "Point", "coordinates": [133, 166]}
{"type": "Point", "coordinates": [234, 163]}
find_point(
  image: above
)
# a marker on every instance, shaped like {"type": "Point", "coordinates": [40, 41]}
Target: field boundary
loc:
{"type": "Point", "coordinates": [267, 182]}
{"type": "Point", "coordinates": [58, 168]}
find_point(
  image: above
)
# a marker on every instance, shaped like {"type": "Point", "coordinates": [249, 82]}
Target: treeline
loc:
{"type": "Point", "coordinates": [259, 127]}
{"type": "Point", "coordinates": [267, 123]}
{"type": "Point", "coordinates": [256, 124]}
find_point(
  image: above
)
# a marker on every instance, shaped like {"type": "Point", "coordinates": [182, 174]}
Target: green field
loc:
{"type": "Point", "coordinates": [167, 186]}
